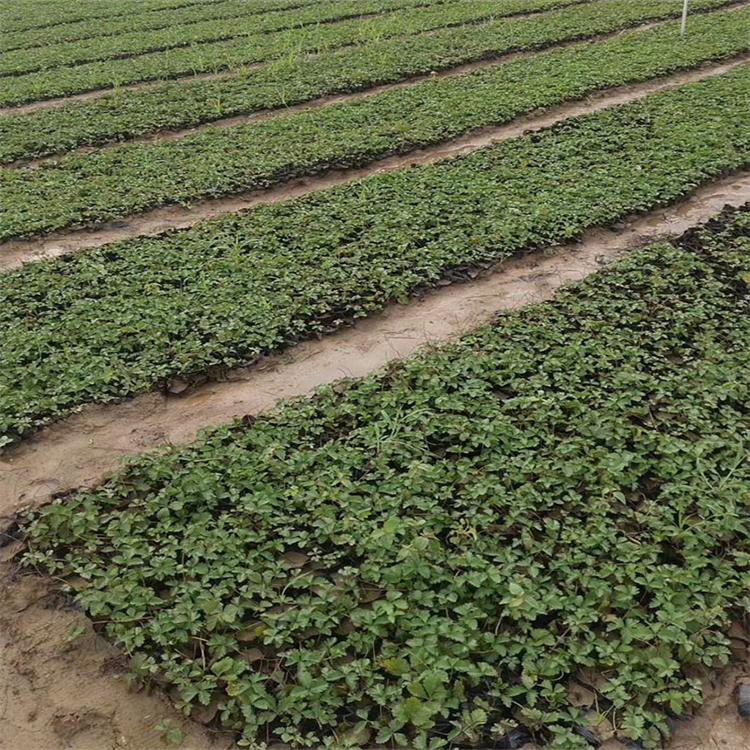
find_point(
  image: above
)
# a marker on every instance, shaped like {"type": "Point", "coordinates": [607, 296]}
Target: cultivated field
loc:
{"type": "Point", "coordinates": [374, 374]}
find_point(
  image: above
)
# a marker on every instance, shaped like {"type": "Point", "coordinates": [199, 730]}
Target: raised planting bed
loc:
{"type": "Point", "coordinates": [225, 26]}
{"type": "Point", "coordinates": [212, 57]}
{"type": "Point", "coordinates": [293, 80]}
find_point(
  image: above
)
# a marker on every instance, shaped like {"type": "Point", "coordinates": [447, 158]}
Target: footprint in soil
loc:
{"type": "Point", "coordinates": [88, 728]}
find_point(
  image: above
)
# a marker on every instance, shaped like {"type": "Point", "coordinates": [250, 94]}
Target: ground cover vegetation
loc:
{"type": "Point", "coordinates": [86, 189]}
{"type": "Point", "coordinates": [212, 57]}
{"type": "Point", "coordinates": [126, 114]}
{"type": "Point", "coordinates": [144, 22]}
{"type": "Point", "coordinates": [138, 42]}
{"type": "Point", "coordinates": [114, 321]}
{"type": "Point", "coordinates": [18, 16]}
{"type": "Point", "coordinates": [428, 556]}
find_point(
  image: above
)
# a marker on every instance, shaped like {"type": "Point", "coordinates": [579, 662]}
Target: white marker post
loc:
{"type": "Point", "coordinates": [683, 27]}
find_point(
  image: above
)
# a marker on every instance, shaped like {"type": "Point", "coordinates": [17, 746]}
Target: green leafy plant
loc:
{"type": "Point", "coordinates": [429, 555]}
{"type": "Point", "coordinates": [243, 21]}
{"type": "Point", "coordinates": [75, 633]}
{"type": "Point", "coordinates": [141, 18]}
{"type": "Point", "coordinates": [170, 733]}
{"type": "Point", "coordinates": [227, 54]}
{"type": "Point", "coordinates": [26, 14]}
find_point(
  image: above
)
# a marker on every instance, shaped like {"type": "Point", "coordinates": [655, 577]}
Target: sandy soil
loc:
{"type": "Point", "coordinates": [718, 725]}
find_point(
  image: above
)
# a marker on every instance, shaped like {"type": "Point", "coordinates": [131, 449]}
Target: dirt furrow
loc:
{"type": "Point", "coordinates": [84, 448]}
{"type": "Point", "coordinates": [15, 253]}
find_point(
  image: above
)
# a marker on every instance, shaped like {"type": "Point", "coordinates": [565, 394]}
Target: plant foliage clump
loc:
{"type": "Point", "coordinates": [229, 20]}
{"type": "Point", "coordinates": [297, 78]}
{"type": "Point", "coordinates": [427, 556]}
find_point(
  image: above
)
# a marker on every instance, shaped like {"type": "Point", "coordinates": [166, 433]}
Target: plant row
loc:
{"type": "Point", "coordinates": [147, 21]}
{"type": "Point", "coordinates": [213, 57]}
{"type": "Point", "coordinates": [435, 556]}
{"type": "Point", "coordinates": [175, 105]}
{"type": "Point", "coordinates": [19, 16]}
{"type": "Point", "coordinates": [114, 321]}
{"type": "Point", "coordinates": [176, 35]}
{"type": "Point", "coordinates": [88, 189]}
